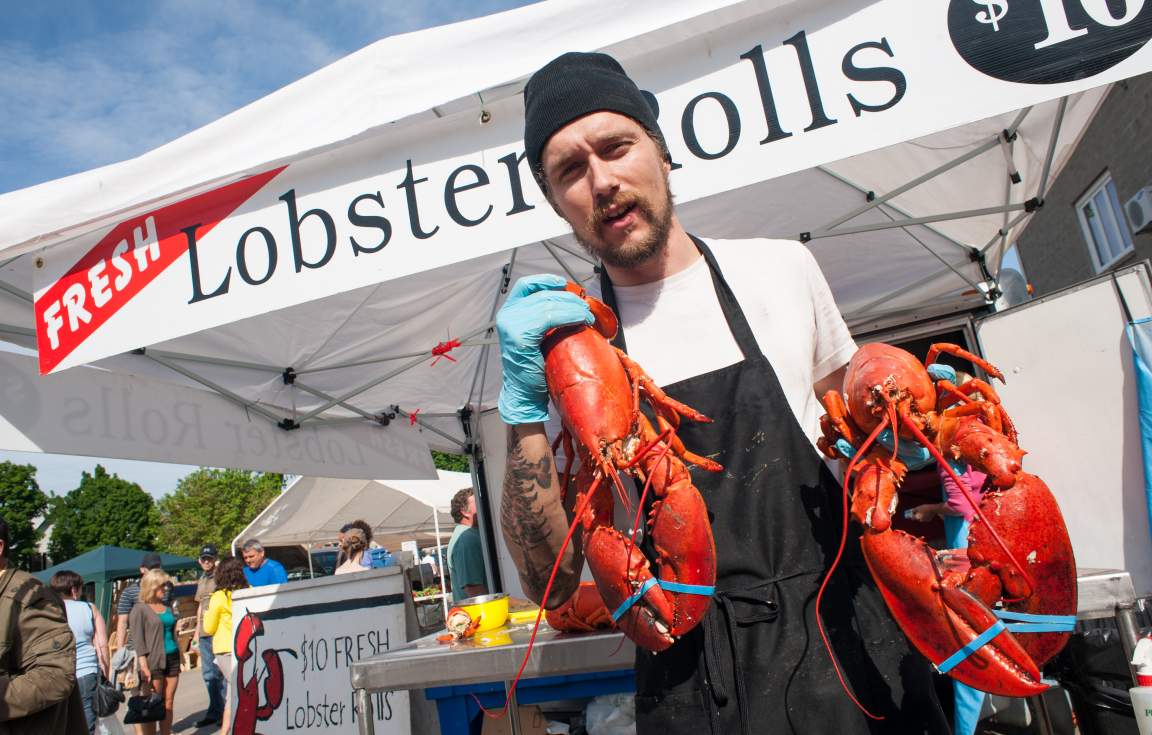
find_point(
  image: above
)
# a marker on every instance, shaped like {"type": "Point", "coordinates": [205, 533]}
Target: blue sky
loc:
{"type": "Point", "coordinates": [86, 84]}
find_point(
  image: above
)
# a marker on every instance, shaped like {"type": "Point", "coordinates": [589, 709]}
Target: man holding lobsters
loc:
{"type": "Point", "coordinates": [747, 333]}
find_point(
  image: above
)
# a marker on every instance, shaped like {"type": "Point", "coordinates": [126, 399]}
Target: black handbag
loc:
{"type": "Point", "coordinates": [142, 708]}
{"type": "Point", "coordinates": [107, 697]}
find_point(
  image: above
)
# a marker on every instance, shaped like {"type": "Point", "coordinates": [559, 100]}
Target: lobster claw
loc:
{"type": "Point", "coordinates": [940, 619]}
{"type": "Point", "coordinates": [583, 611]}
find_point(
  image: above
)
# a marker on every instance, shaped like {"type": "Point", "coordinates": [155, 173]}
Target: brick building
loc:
{"type": "Point", "coordinates": [1082, 230]}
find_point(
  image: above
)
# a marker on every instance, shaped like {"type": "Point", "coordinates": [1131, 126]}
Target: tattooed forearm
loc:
{"type": "Point", "coordinates": [532, 519]}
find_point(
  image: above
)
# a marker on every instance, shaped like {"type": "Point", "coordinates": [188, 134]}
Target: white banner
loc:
{"type": "Point", "coordinates": [95, 413]}
{"type": "Point", "coordinates": [737, 107]}
{"type": "Point", "coordinates": [295, 644]}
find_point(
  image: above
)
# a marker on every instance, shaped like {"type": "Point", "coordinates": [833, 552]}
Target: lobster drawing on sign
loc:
{"type": "Point", "coordinates": [249, 711]}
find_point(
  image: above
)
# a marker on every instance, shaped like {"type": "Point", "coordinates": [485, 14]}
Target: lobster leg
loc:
{"type": "Point", "coordinates": [958, 351]}
{"type": "Point", "coordinates": [583, 611]}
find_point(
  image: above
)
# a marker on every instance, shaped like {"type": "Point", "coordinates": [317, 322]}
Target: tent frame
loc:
{"type": "Point", "coordinates": [483, 338]}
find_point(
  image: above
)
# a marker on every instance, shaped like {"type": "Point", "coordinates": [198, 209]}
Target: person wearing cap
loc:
{"type": "Point", "coordinates": [130, 595]}
{"type": "Point", "coordinates": [766, 339]}
{"type": "Point", "coordinates": [213, 678]}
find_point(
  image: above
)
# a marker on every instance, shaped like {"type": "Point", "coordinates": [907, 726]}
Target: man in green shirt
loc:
{"type": "Point", "coordinates": [465, 557]}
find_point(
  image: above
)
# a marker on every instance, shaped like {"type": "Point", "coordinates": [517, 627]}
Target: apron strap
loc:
{"type": "Point", "coordinates": [733, 314]}
{"type": "Point", "coordinates": [719, 632]}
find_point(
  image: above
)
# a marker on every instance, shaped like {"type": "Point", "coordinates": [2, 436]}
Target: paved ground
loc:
{"type": "Point", "coordinates": [191, 703]}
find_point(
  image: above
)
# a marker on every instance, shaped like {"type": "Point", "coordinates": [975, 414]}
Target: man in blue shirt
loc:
{"type": "Point", "coordinates": [258, 569]}
{"type": "Point", "coordinates": [465, 557]}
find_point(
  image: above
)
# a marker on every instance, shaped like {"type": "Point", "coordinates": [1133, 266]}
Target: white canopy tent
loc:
{"type": "Point", "coordinates": [312, 510]}
{"type": "Point", "coordinates": [332, 256]}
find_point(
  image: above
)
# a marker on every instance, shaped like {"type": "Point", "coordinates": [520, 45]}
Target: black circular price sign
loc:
{"type": "Point", "coordinates": [1048, 41]}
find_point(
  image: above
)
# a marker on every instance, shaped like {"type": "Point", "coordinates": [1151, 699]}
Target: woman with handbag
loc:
{"type": "Point", "coordinates": [229, 576]}
{"type": "Point", "coordinates": [91, 635]}
{"type": "Point", "coordinates": [153, 632]}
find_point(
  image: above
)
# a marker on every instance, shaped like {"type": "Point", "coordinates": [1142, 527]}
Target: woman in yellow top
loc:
{"type": "Point", "coordinates": [229, 576]}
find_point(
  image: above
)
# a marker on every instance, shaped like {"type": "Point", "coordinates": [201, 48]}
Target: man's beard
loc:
{"type": "Point", "coordinates": [632, 254]}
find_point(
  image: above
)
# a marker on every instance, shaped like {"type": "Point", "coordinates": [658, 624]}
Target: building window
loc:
{"type": "Point", "coordinates": [1103, 224]}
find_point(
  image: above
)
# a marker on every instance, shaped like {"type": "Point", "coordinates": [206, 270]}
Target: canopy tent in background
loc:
{"type": "Point", "coordinates": [104, 565]}
{"type": "Point", "coordinates": [330, 258]}
{"type": "Point", "coordinates": [314, 509]}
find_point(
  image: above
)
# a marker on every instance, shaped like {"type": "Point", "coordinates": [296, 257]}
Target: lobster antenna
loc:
{"type": "Point", "coordinates": [836, 562]}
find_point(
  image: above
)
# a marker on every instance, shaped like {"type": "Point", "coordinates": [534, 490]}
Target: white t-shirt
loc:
{"type": "Point", "coordinates": [675, 328]}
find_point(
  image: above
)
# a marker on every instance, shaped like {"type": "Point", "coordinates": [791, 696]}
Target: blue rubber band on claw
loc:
{"type": "Point", "coordinates": [1031, 623]}
{"type": "Point", "coordinates": [973, 646]}
{"type": "Point", "coordinates": [692, 589]}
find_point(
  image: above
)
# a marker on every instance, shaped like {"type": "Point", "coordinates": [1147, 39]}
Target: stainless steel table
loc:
{"type": "Point", "coordinates": [425, 663]}
{"type": "Point", "coordinates": [1101, 593]}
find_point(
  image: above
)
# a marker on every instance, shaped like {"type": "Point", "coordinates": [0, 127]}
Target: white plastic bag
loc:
{"type": "Point", "coordinates": [109, 725]}
{"type": "Point", "coordinates": [611, 714]}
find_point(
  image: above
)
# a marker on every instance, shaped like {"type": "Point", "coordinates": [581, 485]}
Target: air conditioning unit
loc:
{"type": "Point", "coordinates": [1139, 209]}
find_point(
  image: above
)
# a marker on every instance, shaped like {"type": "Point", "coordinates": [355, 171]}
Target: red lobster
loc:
{"type": "Point", "coordinates": [582, 612]}
{"type": "Point", "coordinates": [249, 711]}
{"type": "Point", "coordinates": [1019, 555]}
{"type": "Point", "coordinates": [597, 390]}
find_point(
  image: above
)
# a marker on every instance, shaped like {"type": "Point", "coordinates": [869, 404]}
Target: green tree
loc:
{"type": "Point", "coordinates": [21, 501]}
{"type": "Point", "coordinates": [105, 509]}
{"type": "Point", "coordinates": [454, 462]}
{"type": "Point", "coordinates": [212, 506]}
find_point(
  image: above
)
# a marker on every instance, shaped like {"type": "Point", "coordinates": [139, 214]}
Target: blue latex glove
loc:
{"type": "Point", "coordinates": [940, 371]}
{"type": "Point", "coordinates": [535, 305]}
{"type": "Point", "coordinates": [912, 453]}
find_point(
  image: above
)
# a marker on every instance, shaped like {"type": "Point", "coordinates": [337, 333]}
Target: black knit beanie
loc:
{"type": "Point", "coordinates": [570, 87]}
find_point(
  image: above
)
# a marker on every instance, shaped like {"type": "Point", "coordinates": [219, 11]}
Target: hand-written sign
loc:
{"type": "Point", "coordinates": [294, 648]}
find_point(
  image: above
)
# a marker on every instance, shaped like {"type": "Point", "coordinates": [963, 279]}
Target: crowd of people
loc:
{"type": "Point", "coordinates": [61, 648]}
{"type": "Point", "coordinates": [58, 644]}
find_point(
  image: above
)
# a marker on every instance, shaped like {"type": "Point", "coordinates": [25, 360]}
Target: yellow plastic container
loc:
{"type": "Point", "coordinates": [523, 616]}
{"type": "Point", "coordinates": [491, 609]}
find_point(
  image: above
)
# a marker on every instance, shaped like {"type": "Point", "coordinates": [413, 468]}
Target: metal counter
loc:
{"type": "Point", "coordinates": [493, 656]}
{"type": "Point", "coordinates": [425, 662]}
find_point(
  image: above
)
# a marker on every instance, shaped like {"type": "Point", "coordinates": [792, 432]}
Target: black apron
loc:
{"type": "Point", "coordinates": [757, 664]}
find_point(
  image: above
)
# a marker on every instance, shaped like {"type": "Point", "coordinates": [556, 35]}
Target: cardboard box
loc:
{"type": "Point", "coordinates": [532, 722]}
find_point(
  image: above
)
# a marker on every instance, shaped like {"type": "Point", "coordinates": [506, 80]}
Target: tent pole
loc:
{"type": "Point", "coordinates": [555, 256]}
{"type": "Point", "coordinates": [482, 367]}
{"type": "Point", "coordinates": [574, 253]}
{"type": "Point", "coordinates": [440, 562]}
{"type": "Point", "coordinates": [863, 311]}
{"type": "Point", "coordinates": [308, 551]}
{"type": "Point", "coordinates": [18, 331]}
{"type": "Point", "coordinates": [996, 141]}
{"type": "Point", "coordinates": [213, 360]}
{"type": "Point", "coordinates": [483, 508]}
{"type": "Point", "coordinates": [987, 146]}
{"type": "Point", "coordinates": [374, 361]}
{"type": "Point", "coordinates": [18, 293]}
{"type": "Point", "coordinates": [324, 396]}
{"type": "Point", "coordinates": [235, 398]}
{"type": "Point", "coordinates": [424, 425]}
{"type": "Point", "coordinates": [847, 182]}
{"type": "Point", "coordinates": [387, 376]}
{"type": "Point", "coordinates": [919, 220]}
{"type": "Point", "coordinates": [1043, 189]}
